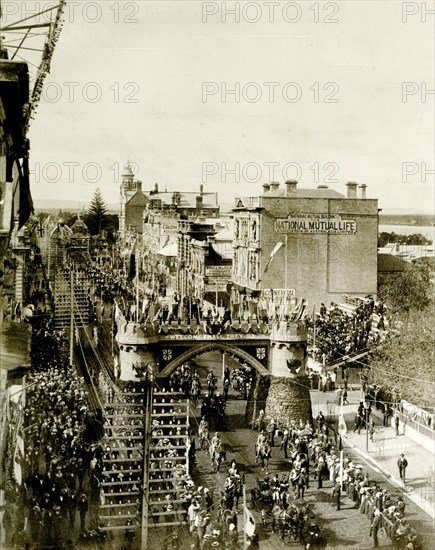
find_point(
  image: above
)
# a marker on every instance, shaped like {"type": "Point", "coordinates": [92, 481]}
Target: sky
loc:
{"type": "Point", "coordinates": [235, 94]}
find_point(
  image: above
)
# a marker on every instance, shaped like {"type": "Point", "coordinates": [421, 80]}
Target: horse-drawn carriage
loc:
{"type": "Point", "coordinates": [295, 522]}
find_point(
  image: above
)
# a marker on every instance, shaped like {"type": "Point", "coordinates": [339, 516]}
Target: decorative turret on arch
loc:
{"type": "Point", "coordinates": [210, 346]}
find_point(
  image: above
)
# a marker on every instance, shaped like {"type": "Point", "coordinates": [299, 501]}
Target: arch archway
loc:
{"type": "Point", "coordinates": [211, 346]}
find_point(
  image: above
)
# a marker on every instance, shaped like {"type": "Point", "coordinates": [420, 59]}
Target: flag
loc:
{"type": "Point", "coordinates": [274, 252]}
{"type": "Point", "coordinates": [132, 268]}
{"type": "Point", "coordinates": [18, 458]}
{"type": "Point", "coordinates": [117, 312]}
{"type": "Point", "coordinates": [249, 522]}
{"type": "Point", "coordinates": [342, 430]}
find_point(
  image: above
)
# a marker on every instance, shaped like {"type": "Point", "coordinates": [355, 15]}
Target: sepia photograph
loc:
{"type": "Point", "coordinates": [217, 270]}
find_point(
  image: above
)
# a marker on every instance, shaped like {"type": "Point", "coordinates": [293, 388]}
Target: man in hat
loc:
{"type": "Point", "coordinates": [192, 512]}
{"type": "Point", "coordinates": [402, 464]}
{"type": "Point", "coordinates": [83, 508]}
{"type": "Point", "coordinates": [376, 523]}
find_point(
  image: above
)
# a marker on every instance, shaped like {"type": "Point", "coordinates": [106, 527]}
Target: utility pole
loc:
{"type": "Point", "coordinates": [245, 542]}
{"type": "Point", "coordinates": [71, 329]}
{"type": "Point", "coordinates": [149, 380]}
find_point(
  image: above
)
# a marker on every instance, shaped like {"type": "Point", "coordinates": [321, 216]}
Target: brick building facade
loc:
{"type": "Point", "coordinates": [327, 242]}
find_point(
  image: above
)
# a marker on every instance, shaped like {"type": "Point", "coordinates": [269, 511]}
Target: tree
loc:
{"type": "Point", "coordinates": [416, 239]}
{"type": "Point", "coordinates": [408, 291]}
{"type": "Point", "coordinates": [403, 364]}
{"type": "Point", "coordinates": [96, 217]}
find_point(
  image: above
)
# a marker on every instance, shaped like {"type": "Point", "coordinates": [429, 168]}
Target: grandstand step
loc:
{"type": "Point", "coordinates": [119, 516]}
{"type": "Point", "coordinates": [126, 449]}
{"type": "Point", "coordinates": [115, 483]}
{"type": "Point", "coordinates": [127, 437]}
{"type": "Point", "coordinates": [164, 491]}
{"type": "Point", "coordinates": [117, 426]}
{"type": "Point", "coordinates": [171, 458]}
{"type": "Point", "coordinates": [121, 405]}
{"type": "Point", "coordinates": [124, 415]}
{"type": "Point", "coordinates": [168, 426]}
{"type": "Point", "coordinates": [164, 501]}
{"type": "Point", "coordinates": [182, 436]}
{"type": "Point", "coordinates": [166, 524]}
{"type": "Point", "coordinates": [168, 394]}
{"type": "Point", "coordinates": [123, 460]}
{"type": "Point", "coordinates": [172, 512]}
{"type": "Point", "coordinates": [170, 414]}
{"type": "Point", "coordinates": [125, 505]}
{"type": "Point", "coordinates": [118, 527]}
{"type": "Point", "coordinates": [165, 469]}
{"type": "Point", "coordinates": [125, 472]}
{"type": "Point", "coordinates": [173, 403]}
{"type": "Point", "coordinates": [122, 494]}
{"type": "Point", "coordinates": [162, 480]}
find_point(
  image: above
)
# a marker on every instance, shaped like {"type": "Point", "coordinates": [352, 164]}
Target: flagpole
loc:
{"type": "Point", "coordinates": [341, 443]}
{"type": "Point", "coordinates": [137, 283]}
{"type": "Point", "coordinates": [285, 275]}
{"type": "Point", "coordinates": [342, 431]}
{"type": "Point", "coordinates": [245, 546]}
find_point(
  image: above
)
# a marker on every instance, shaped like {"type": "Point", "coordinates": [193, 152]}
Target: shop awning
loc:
{"type": "Point", "coordinates": [169, 250]}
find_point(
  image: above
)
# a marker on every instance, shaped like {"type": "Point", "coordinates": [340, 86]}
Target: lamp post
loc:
{"type": "Point", "coordinates": [366, 410]}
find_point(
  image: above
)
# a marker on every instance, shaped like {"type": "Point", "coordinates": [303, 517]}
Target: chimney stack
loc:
{"type": "Point", "coordinates": [363, 188]}
{"type": "Point", "coordinates": [290, 186]}
{"type": "Point", "coordinates": [138, 186]}
{"type": "Point", "coordinates": [351, 189]}
{"type": "Point", "coordinates": [199, 204]}
{"type": "Point", "coordinates": [156, 188]}
{"type": "Point", "coordinates": [201, 189]}
{"type": "Point", "coordinates": [266, 187]}
{"type": "Point", "coordinates": [274, 185]}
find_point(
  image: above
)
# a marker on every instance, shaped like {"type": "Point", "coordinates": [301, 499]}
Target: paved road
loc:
{"type": "Point", "coordinates": [343, 529]}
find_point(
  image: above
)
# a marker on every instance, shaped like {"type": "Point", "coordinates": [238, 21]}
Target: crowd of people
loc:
{"type": "Point", "coordinates": [338, 332]}
{"type": "Point", "coordinates": [313, 455]}
{"type": "Point", "coordinates": [53, 446]}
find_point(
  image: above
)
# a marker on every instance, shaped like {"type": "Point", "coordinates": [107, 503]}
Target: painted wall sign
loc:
{"type": "Point", "coordinates": [276, 293]}
{"type": "Point", "coordinates": [168, 229]}
{"type": "Point", "coordinates": [218, 271]}
{"type": "Point", "coordinates": [315, 223]}
{"type": "Point", "coordinates": [199, 337]}
{"type": "Point", "coordinates": [213, 286]}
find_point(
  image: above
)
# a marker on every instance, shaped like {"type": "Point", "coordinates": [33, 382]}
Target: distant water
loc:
{"type": "Point", "coordinates": [426, 230]}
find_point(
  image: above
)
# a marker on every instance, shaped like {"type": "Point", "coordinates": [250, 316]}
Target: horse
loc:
{"type": "Point", "coordinates": [204, 439]}
{"type": "Point", "coordinates": [195, 391]}
{"type": "Point", "coordinates": [264, 453]}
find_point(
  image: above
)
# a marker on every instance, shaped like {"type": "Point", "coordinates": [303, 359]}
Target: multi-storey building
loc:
{"type": "Point", "coordinates": [132, 204]}
{"type": "Point", "coordinates": [205, 257]}
{"type": "Point", "coordinates": [316, 243]}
